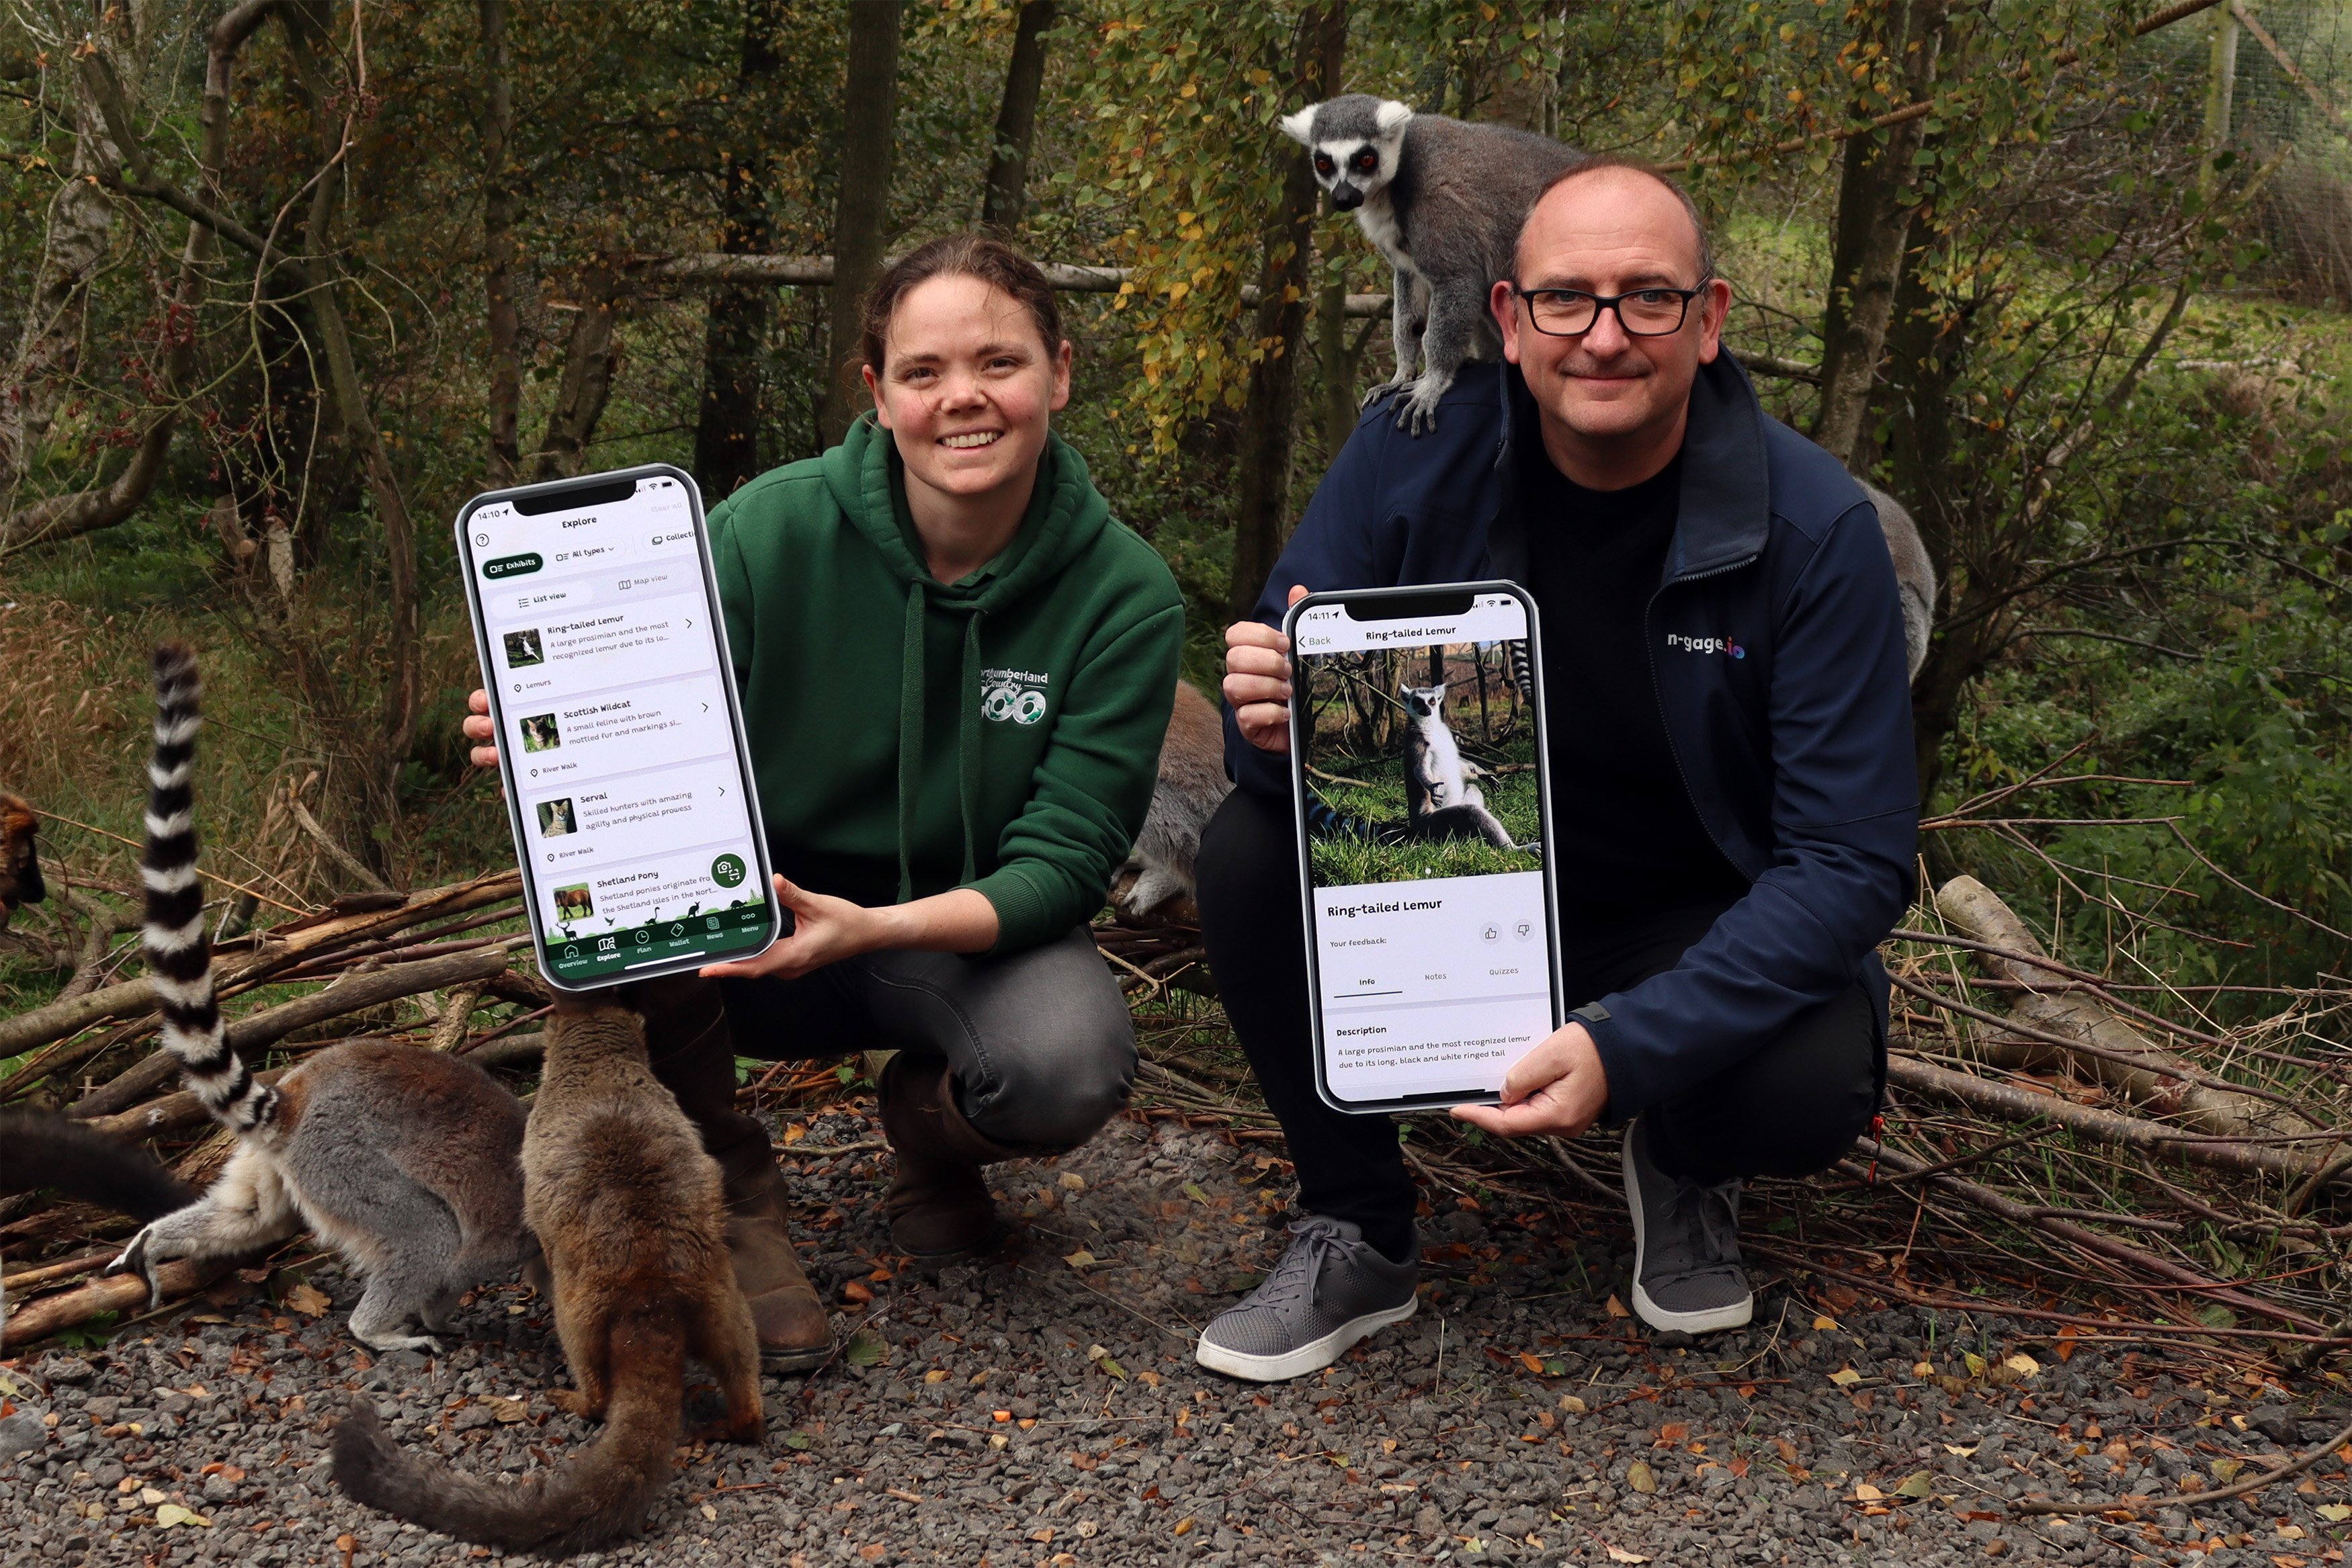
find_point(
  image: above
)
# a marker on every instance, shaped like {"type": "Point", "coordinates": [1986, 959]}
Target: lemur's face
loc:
{"type": "Point", "coordinates": [1422, 701]}
{"type": "Point", "coordinates": [1354, 145]}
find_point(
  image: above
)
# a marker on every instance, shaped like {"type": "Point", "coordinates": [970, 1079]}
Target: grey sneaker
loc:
{"type": "Point", "coordinates": [1686, 1271]}
{"type": "Point", "coordinates": [1330, 1290]}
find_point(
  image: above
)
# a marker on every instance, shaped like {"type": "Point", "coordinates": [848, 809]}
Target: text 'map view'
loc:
{"type": "Point", "coordinates": [1421, 788]}
{"type": "Point", "coordinates": [636, 835]}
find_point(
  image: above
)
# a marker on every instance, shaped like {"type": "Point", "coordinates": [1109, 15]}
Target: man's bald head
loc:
{"type": "Point", "coordinates": [1605, 177]}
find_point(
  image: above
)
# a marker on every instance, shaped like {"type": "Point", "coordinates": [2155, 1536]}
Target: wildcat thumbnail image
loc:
{"type": "Point", "coordinates": [523, 649]}
{"type": "Point", "coordinates": [539, 734]}
{"type": "Point", "coordinates": [555, 818]}
{"type": "Point", "coordinates": [574, 903]}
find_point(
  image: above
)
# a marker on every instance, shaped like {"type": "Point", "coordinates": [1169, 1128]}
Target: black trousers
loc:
{"type": "Point", "coordinates": [1789, 1110]}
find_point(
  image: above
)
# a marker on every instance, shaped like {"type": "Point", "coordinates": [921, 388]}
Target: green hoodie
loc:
{"type": "Point", "coordinates": [910, 735]}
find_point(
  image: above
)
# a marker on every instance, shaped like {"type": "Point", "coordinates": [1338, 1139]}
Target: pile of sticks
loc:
{"type": "Point", "coordinates": [431, 966]}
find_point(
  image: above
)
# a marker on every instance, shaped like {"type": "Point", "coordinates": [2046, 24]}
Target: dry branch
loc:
{"type": "Point", "coordinates": [2120, 1056]}
{"type": "Point", "coordinates": [38, 1320]}
{"type": "Point", "coordinates": [260, 1029]}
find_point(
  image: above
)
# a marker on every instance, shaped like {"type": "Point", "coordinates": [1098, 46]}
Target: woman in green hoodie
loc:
{"type": "Point", "coordinates": [956, 668]}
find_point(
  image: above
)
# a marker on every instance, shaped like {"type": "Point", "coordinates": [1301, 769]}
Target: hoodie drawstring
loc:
{"type": "Point", "coordinates": [910, 740]}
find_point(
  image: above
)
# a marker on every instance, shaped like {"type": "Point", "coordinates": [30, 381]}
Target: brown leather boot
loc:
{"type": "Point", "coordinates": [939, 1203]}
{"type": "Point", "coordinates": [691, 1050]}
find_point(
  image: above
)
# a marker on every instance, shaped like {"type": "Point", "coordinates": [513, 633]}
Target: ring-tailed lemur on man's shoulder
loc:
{"type": "Point", "coordinates": [407, 1161]}
{"type": "Point", "coordinates": [1442, 200]}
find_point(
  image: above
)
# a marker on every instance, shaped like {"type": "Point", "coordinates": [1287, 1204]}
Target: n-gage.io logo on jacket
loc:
{"type": "Point", "coordinates": [1013, 697]}
{"type": "Point", "coordinates": [1706, 644]}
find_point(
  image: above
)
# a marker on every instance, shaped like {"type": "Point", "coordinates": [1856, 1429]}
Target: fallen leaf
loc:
{"type": "Point", "coordinates": [171, 1513]}
{"type": "Point", "coordinates": [2332, 1512]}
{"type": "Point", "coordinates": [1571, 1404]}
{"type": "Point", "coordinates": [857, 1291]}
{"type": "Point", "coordinates": [1081, 1258]}
{"type": "Point", "coordinates": [150, 1496]}
{"type": "Point", "coordinates": [506, 1411]}
{"type": "Point", "coordinates": [1976, 1363]}
{"type": "Point", "coordinates": [1532, 1363]}
{"type": "Point", "coordinates": [1825, 1323]}
{"type": "Point", "coordinates": [1615, 1308]}
{"type": "Point", "coordinates": [1151, 1379]}
{"type": "Point", "coordinates": [1788, 1450]}
{"type": "Point", "coordinates": [1183, 1527]}
{"type": "Point", "coordinates": [1073, 1182]}
{"type": "Point", "coordinates": [1845, 1377]}
{"type": "Point", "coordinates": [1191, 1189]}
{"type": "Point", "coordinates": [873, 1551]}
{"type": "Point", "coordinates": [2022, 1365]}
{"type": "Point", "coordinates": [307, 1299]}
{"type": "Point", "coordinates": [796, 1440]}
{"type": "Point", "coordinates": [1638, 1477]}
{"type": "Point", "coordinates": [1042, 1532]}
{"type": "Point", "coordinates": [795, 1133]}
{"type": "Point", "coordinates": [1113, 1367]}
{"type": "Point", "coordinates": [2067, 1337]}
{"type": "Point", "coordinates": [710, 1513]}
{"type": "Point", "coordinates": [1619, 1554]}
{"type": "Point", "coordinates": [2225, 1469]}
{"type": "Point", "coordinates": [1963, 1453]}
{"type": "Point", "coordinates": [935, 1375]}
{"type": "Point", "coordinates": [1866, 1492]}
{"type": "Point", "coordinates": [864, 1349]}
{"type": "Point", "coordinates": [1916, 1485]}
{"type": "Point", "coordinates": [1673, 1432]}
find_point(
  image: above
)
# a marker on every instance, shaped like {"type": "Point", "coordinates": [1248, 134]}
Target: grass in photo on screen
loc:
{"type": "Point", "coordinates": [1370, 714]}
{"type": "Point", "coordinates": [523, 649]}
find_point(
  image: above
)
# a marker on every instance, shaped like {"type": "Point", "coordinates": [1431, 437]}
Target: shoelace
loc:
{"type": "Point", "coordinates": [1315, 1242]}
{"type": "Point", "coordinates": [1706, 1214]}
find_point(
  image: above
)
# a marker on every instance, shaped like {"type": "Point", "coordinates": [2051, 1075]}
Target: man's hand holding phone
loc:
{"type": "Point", "coordinates": [1558, 1089]}
{"type": "Point", "coordinates": [1257, 681]}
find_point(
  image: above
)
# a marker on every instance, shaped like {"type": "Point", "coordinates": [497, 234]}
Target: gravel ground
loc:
{"type": "Point", "coordinates": [1044, 1410]}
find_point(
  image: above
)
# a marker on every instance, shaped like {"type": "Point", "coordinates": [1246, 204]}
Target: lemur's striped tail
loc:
{"type": "Point", "coordinates": [179, 953]}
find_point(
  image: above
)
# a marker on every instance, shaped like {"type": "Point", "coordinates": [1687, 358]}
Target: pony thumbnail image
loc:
{"type": "Point", "coordinates": [523, 649]}
{"type": "Point", "coordinates": [539, 734]}
{"type": "Point", "coordinates": [1420, 763]}
{"type": "Point", "coordinates": [555, 818]}
{"type": "Point", "coordinates": [574, 903]}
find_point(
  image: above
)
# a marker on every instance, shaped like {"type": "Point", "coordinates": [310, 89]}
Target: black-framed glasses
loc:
{"type": "Point", "coordinates": [1643, 312]}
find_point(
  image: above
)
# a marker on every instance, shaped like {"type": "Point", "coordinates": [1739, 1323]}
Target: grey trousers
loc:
{"type": "Point", "coordinates": [1040, 1043]}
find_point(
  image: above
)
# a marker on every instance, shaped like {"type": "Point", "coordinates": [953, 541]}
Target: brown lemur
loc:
{"type": "Point", "coordinates": [20, 856]}
{"type": "Point", "coordinates": [405, 1160]}
{"type": "Point", "coordinates": [629, 1209]}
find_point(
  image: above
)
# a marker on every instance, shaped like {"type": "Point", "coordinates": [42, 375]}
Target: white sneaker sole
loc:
{"type": "Point", "coordinates": [1737, 1315]}
{"type": "Point", "coordinates": [1313, 1357]}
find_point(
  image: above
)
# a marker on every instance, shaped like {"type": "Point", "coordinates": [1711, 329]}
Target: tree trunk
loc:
{"type": "Point", "coordinates": [592, 357]}
{"type": "Point", "coordinates": [861, 211]}
{"type": "Point", "coordinates": [86, 511]}
{"type": "Point", "coordinates": [2221, 94]}
{"type": "Point", "coordinates": [1007, 190]}
{"type": "Point", "coordinates": [81, 223]}
{"type": "Point", "coordinates": [1262, 485]}
{"type": "Point", "coordinates": [499, 247]}
{"type": "Point", "coordinates": [736, 320]}
{"type": "Point", "coordinates": [1871, 228]}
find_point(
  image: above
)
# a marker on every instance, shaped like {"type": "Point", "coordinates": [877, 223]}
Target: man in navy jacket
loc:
{"type": "Point", "coordinates": [1730, 768]}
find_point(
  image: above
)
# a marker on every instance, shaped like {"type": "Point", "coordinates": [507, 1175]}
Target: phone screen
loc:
{"type": "Point", "coordinates": [634, 812]}
{"type": "Point", "coordinates": [1419, 760]}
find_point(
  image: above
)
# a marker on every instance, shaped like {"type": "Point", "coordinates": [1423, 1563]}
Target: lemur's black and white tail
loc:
{"type": "Point", "coordinates": [179, 953]}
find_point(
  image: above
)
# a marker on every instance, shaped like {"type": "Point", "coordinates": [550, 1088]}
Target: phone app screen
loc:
{"type": "Point", "coordinates": [612, 715]}
{"type": "Point", "coordinates": [1422, 790]}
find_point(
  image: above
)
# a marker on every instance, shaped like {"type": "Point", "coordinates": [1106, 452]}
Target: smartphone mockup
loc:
{"type": "Point", "coordinates": [1417, 751]}
{"type": "Point", "coordinates": [629, 784]}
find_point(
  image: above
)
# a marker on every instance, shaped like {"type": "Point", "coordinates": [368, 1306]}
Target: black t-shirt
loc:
{"type": "Point", "coordinates": [1625, 838]}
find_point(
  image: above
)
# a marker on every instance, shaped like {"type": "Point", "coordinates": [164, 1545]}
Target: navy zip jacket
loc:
{"type": "Point", "coordinates": [1776, 651]}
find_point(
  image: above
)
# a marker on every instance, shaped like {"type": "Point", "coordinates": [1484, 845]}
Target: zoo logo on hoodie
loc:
{"type": "Point", "coordinates": [1706, 644]}
{"type": "Point", "coordinates": [1015, 696]}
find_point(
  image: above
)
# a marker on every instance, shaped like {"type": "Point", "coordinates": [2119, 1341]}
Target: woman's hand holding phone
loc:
{"type": "Point", "coordinates": [1257, 681]}
{"type": "Point", "coordinates": [478, 727]}
{"type": "Point", "coordinates": [827, 929]}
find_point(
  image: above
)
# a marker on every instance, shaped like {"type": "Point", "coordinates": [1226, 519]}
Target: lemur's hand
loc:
{"type": "Point", "coordinates": [478, 727]}
{"type": "Point", "coordinates": [1257, 681]}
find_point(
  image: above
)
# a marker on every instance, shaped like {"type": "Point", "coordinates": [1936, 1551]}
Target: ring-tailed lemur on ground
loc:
{"type": "Point", "coordinates": [1442, 800]}
{"type": "Point", "coordinates": [20, 857]}
{"type": "Point", "coordinates": [1442, 199]}
{"type": "Point", "coordinates": [629, 1208]}
{"type": "Point", "coordinates": [1192, 785]}
{"type": "Point", "coordinates": [405, 1160]}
